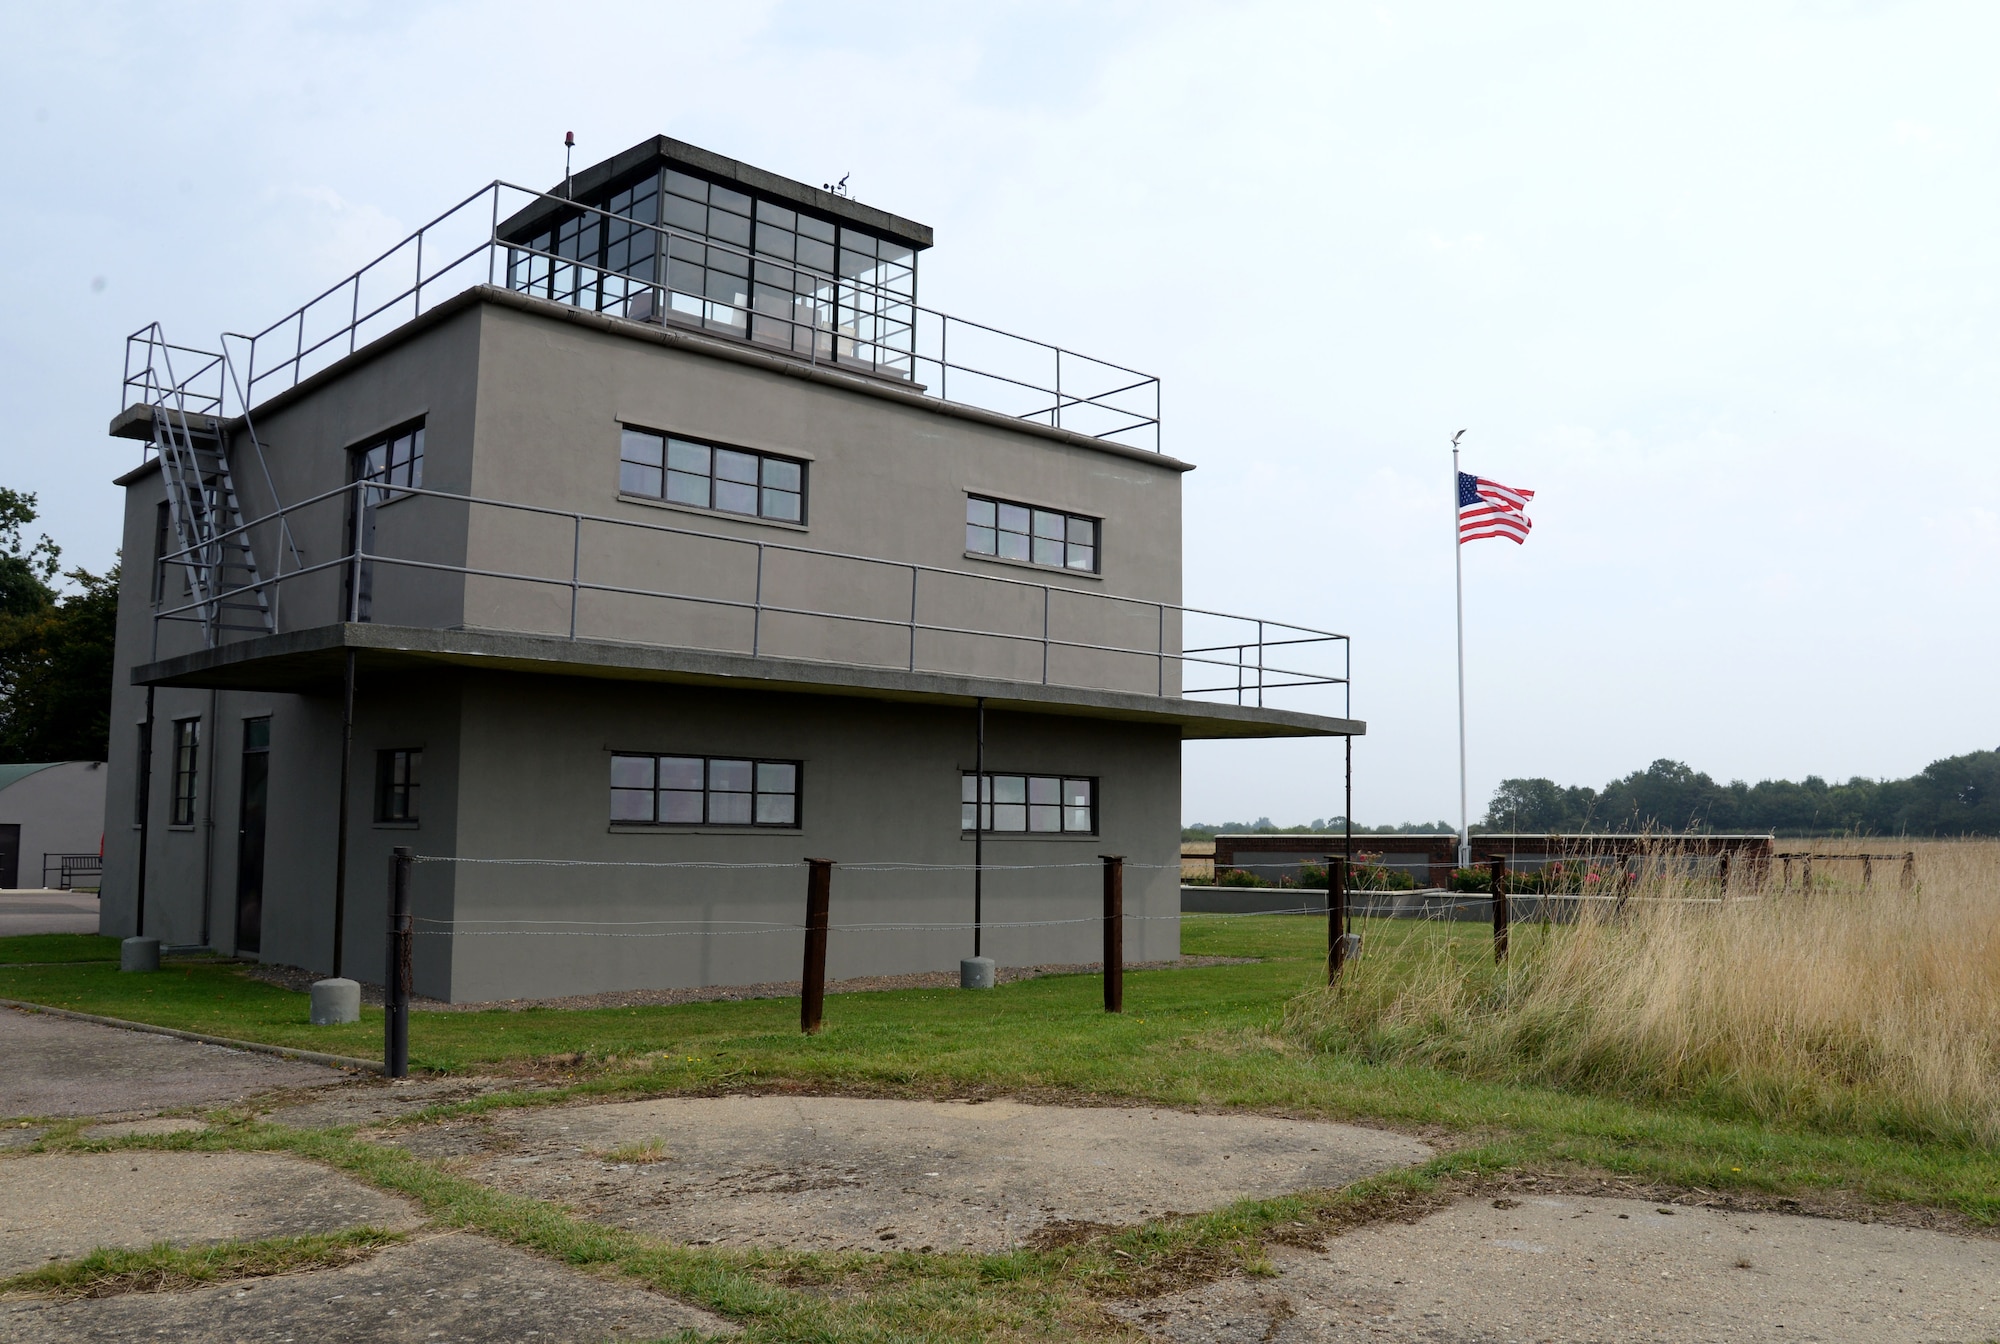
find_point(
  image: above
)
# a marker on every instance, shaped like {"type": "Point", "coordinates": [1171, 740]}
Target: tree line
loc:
{"type": "Point", "coordinates": [55, 646]}
{"type": "Point", "coordinates": [1959, 795]}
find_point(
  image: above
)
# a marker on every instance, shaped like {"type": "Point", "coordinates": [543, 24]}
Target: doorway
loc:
{"type": "Point", "coordinates": [251, 809]}
{"type": "Point", "coordinates": [10, 855]}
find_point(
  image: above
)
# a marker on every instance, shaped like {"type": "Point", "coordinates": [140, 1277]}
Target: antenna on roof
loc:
{"type": "Point", "coordinates": [569, 143]}
{"type": "Point", "coordinates": [837, 188]}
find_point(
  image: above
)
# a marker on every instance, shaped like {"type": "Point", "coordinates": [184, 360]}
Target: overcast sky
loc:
{"type": "Point", "coordinates": [1717, 280]}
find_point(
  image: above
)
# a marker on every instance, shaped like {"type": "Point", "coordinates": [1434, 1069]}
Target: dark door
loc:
{"type": "Point", "coordinates": [250, 835]}
{"type": "Point", "coordinates": [10, 855]}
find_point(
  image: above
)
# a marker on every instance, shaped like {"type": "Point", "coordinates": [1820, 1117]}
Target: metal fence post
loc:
{"type": "Point", "coordinates": [1722, 873]}
{"type": "Point", "coordinates": [812, 990]}
{"type": "Point", "coordinates": [1499, 910]}
{"type": "Point", "coordinates": [396, 970]}
{"type": "Point", "coordinates": [1336, 916]}
{"type": "Point", "coordinates": [1910, 869]}
{"type": "Point", "coordinates": [1867, 871]}
{"type": "Point", "coordinates": [1114, 932]}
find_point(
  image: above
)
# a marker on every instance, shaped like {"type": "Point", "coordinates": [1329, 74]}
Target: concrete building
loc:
{"type": "Point", "coordinates": [655, 522]}
{"type": "Point", "coordinates": [50, 813]}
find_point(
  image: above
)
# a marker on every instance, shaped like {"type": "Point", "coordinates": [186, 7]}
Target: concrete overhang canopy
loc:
{"type": "Point", "coordinates": [663, 150]}
{"type": "Point", "coordinates": [311, 662]}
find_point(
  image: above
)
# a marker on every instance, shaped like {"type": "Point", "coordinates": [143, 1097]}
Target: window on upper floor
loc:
{"type": "Point", "coordinates": [394, 459]}
{"type": "Point", "coordinates": [704, 791]}
{"type": "Point", "coordinates": [710, 476]}
{"type": "Point", "coordinates": [1031, 804]}
{"type": "Point", "coordinates": [1026, 533]}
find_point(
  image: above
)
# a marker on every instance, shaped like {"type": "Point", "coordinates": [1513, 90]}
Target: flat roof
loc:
{"type": "Point", "coordinates": [312, 662]}
{"type": "Point", "coordinates": [718, 167]}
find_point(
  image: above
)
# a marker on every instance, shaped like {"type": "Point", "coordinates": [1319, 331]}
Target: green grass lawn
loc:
{"type": "Point", "coordinates": [1207, 1037]}
{"type": "Point", "coordinates": [33, 947]}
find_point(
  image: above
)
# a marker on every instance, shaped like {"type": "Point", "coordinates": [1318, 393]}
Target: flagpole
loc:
{"type": "Point", "coordinates": [1458, 565]}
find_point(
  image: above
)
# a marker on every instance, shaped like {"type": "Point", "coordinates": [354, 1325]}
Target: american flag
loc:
{"type": "Point", "coordinates": [1490, 509]}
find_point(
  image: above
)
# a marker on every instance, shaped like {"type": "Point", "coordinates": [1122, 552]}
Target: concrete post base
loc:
{"type": "Point", "coordinates": [139, 954]}
{"type": "Point", "coordinates": [975, 973]}
{"type": "Point", "coordinates": [335, 1002]}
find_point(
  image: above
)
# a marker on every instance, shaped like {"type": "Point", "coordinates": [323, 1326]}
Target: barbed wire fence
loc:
{"type": "Point", "coordinates": [1342, 905]}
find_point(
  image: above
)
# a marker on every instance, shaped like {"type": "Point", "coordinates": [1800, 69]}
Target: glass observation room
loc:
{"type": "Point", "coordinates": [672, 233]}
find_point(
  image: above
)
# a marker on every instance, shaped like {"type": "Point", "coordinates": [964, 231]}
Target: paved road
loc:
{"type": "Point", "coordinates": [48, 912]}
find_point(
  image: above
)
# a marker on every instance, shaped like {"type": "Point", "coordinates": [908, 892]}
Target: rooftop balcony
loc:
{"type": "Point", "coordinates": [445, 576]}
{"type": "Point", "coordinates": [846, 303]}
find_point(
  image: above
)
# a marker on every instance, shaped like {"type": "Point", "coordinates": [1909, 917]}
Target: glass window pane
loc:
{"type": "Point", "coordinates": [776, 809]}
{"type": "Point", "coordinates": [732, 497]}
{"type": "Point", "coordinates": [685, 456]}
{"type": "Point", "coordinates": [729, 776]}
{"type": "Point", "coordinates": [631, 772]}
{"type": "Point", "coordinates": [256, 734]}
{"type": "Point", "coordinates": [895, 252]}
{"type": "Point", "coordinates": [680, 772]}
{"type": "Point", "coordinates": [768, 213]}
{"type": "Point", "coordinates": [685, 489]}
{"type": "Point", "coordinates": [1084, 558]}
{"type": "Point", "coordinates": [1013, 518]}
{"type": "Point", "coordinates": [1082, 532]}
{"type": "Point", "coordinates": [685, 215]}
{"type": "Point", "coordinates": [680, 807]}
{"type": "Point", "coordinates": [979, 512]}
{"type": "Point", "coordinates": [631, 804]}
{"type": "Point", "coordinates": [634, 479]}
{"type": "Point", "coordinates": [728, 228]}
{"type": "Point", "coordinates": [731, 466]}
{"type": "Point", "coordinates": [816, 228]}
{"type": "Point", "coordinates": [1076, 792]}
{"type": "Point", "coordinates": [818, 256]}
{"type": "Point", "coordinates": [782, 505]}
{"type": "Point", "coordinates": [1045, 818]}
{"type": "Point", "coordinates": [1048, 552]}
{"type": "Point", "coordinates": [1013, 546]}
{"type": "Point", "coordinates": [968, 816]}
{"type": "Point", "coordinates": [777, 777]}
{"type": "Point", "coordinates": [1009, 817]}
{"type": "Point", "coordinates": [1049, 524]}
{"type": "Point", "coordinates": [1076, 819]}
{"type": "Point", "coordinates": [694, 188]}
{"type": "Point", "coordinates": [729, 809]}
{"type": "Point", "coordinates": [781, 475]}
{"type": "Point", "coordinates": [733, 201]}
{"type": "Point", "coordinates": [965, 788]}
{"type": "Point", "coordinates": [635, 445]}
{"type": "Point", "coordinates": [1009, 788]}
{"type": "Point", "coordinates": [1042, 789]}
{"type": "Point", "coordinates": [981, 540]}
{"type": "Point", "coordinates": [774, 243]}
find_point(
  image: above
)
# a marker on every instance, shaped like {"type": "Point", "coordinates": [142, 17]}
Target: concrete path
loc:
{"type": "Point", "coordinates": [65, 1205]}
{"type": "Point", "coordinates": [844, 1172]}
{"type": "Point", "coordinates": [48, 912]}
{"type": "Point", "coordinates": [1577, 1269]}
{"type": "Point", "coordinates": [57, 1066]}
{"type": "Point", "coordinates": [451, 1289]}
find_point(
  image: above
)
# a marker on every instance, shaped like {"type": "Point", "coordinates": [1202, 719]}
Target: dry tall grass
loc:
{"type": "Point", "coordinates": [1875, 1011]}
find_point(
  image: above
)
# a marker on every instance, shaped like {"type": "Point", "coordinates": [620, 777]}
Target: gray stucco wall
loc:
{"type": "Point", "coordinates": [60, 810]}
{"type": "Point", "coordinates": [881, 785]}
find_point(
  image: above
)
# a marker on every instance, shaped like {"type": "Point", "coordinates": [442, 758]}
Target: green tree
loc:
{"type": "Point", "coordinates": [55, 648]}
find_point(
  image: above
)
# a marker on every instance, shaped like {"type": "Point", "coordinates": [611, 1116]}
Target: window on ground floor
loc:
{"type": "Point", "coordinates": [704, 791]}
{"type": "Point", "coordinates": [398, 775]}
{"type": "Point", "coordinates": [187, 759]}
{"type": "Point", "coordinates": [1051, 804]}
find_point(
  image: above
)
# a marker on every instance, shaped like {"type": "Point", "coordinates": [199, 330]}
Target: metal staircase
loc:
{"type": "Point", "coordinates": [214, 548]}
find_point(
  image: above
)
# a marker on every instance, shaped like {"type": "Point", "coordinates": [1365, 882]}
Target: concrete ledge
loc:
{"type": "Point", "coordinates": [257, 1047]}
{"type": "Point", "coordinates": [310, 661]}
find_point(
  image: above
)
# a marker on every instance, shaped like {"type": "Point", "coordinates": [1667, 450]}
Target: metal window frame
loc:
{"type": "Point", "coordinates": [1096, 790]}
{"type": "Point", "coordinates": [386, 784]}
{"type": "Point", "coordinates": [1096, 525]}
{"type": "Point", "coordinates": [187, 771]}
{"type": "Point", "coordinates": [797, 794]}
{"type": "Point", "coordinates": [762, 456]}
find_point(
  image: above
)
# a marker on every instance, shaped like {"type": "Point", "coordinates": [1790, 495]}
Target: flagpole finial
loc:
{"type": "Point", "coordinates": [1456, 437]}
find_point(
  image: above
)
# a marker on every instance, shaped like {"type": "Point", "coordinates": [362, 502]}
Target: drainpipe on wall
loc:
{"type": "Point", "coordinates": [208, 810]}
{"type": "Point", "coordinates": [145, 812]}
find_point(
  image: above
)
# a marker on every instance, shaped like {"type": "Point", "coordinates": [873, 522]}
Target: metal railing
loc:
{"type": "Point", "coordinates": [1243, 667]}
{"type": "Point", "coordinates": [820, 319]}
